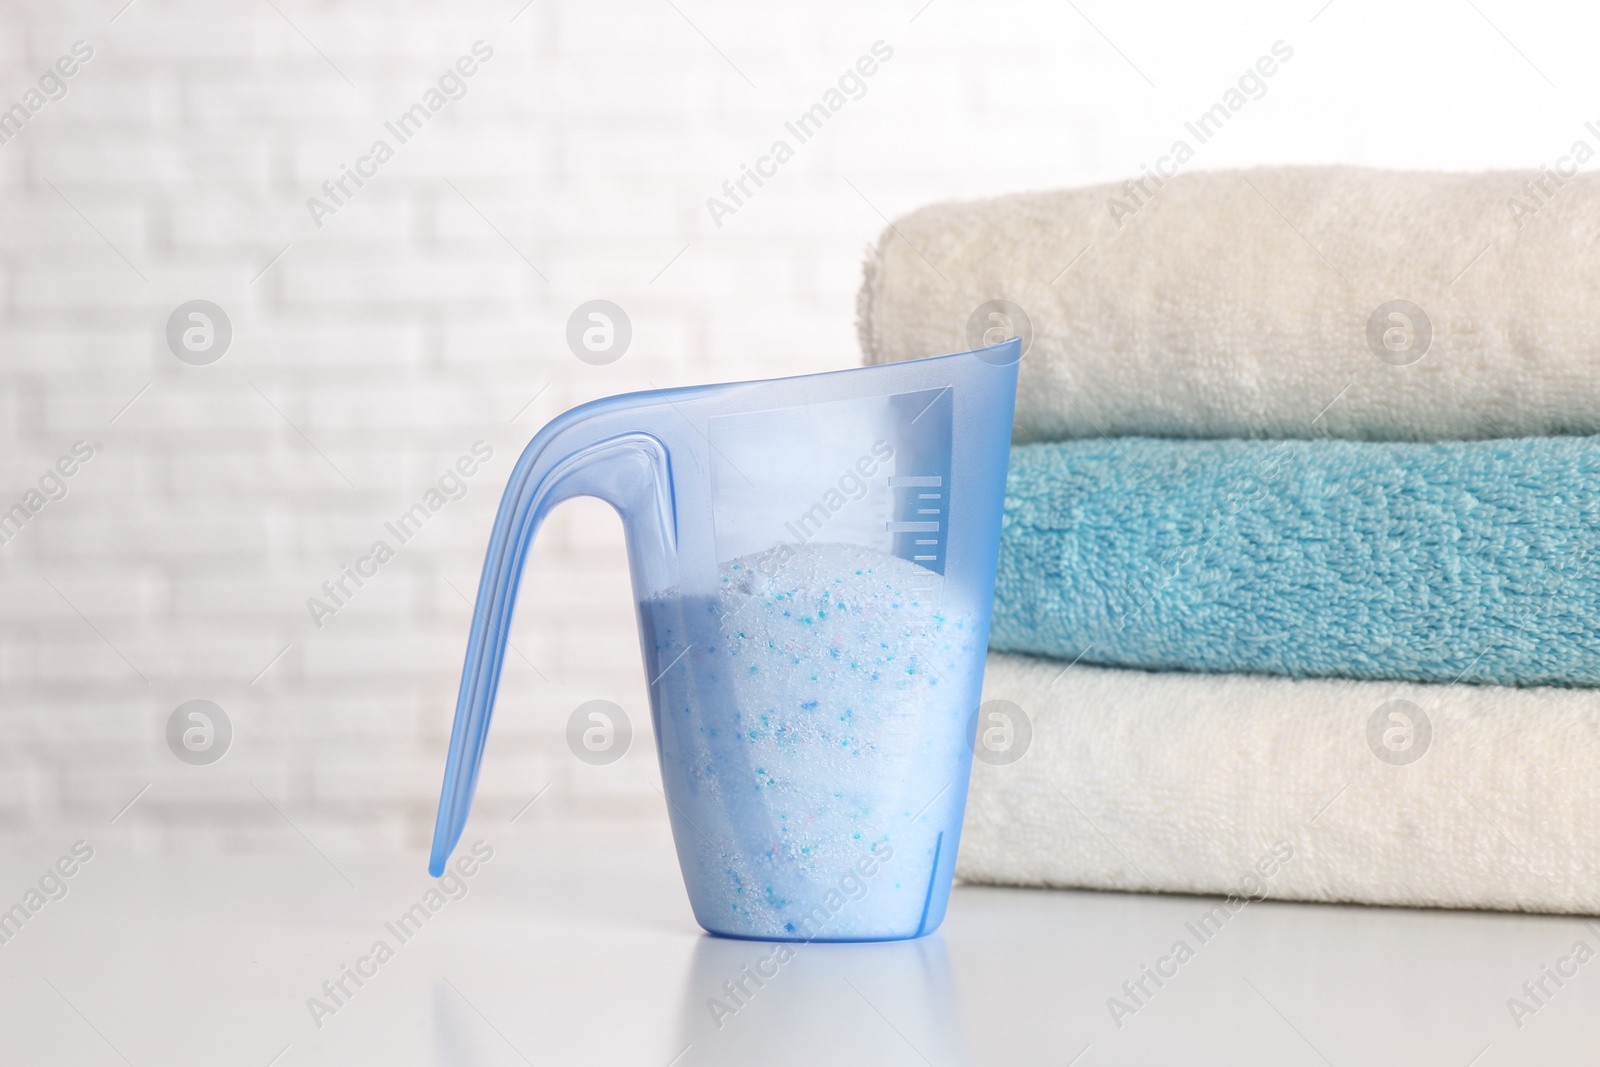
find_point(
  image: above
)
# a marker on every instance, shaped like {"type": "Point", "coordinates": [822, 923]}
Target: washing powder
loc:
{"type": "Point", "coordinates": [805, 717]}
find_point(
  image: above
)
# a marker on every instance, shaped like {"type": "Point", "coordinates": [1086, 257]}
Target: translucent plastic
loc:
{"type": "Point", "coordinates": [813, 560]}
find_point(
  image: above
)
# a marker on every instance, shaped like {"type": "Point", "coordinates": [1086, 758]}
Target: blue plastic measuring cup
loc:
{"type": "Point", "coordinates": [813, 560]}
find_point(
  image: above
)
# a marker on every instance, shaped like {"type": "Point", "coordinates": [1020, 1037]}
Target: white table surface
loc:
{"type": "Point", "coordinates": [576, 946]}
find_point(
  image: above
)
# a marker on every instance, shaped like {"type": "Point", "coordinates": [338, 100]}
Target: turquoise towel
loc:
{"type": "Point", "coordinates": [1472, 561]}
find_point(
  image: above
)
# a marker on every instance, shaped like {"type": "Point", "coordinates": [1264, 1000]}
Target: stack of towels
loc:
{"type": "Point", "coordinates": [1299, 587]}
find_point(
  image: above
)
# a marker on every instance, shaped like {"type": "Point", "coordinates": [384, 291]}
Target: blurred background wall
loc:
{"type": "Point", "coordinates": [428, 312]}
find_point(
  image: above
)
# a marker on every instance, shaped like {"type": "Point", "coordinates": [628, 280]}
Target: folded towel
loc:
{"type": "Point", "coordinates": [1446, 796]}
{"type": "Point", "coordinates": [1475, 561]}
{"type": "Point", "coordinates": [1283, 302]}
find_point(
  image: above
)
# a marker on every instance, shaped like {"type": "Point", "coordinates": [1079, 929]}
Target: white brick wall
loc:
{"type": "Point", "coordinates": [406, 328]}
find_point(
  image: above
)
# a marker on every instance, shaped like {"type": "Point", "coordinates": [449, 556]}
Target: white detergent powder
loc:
{"type": "Point", "coordinates": [815, 729]}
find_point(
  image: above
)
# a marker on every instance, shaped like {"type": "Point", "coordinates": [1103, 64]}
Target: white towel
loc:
{"type": "Point", "coordinates": [1273, 787]}
{"type": "Point", "coordinates": [1259, 303]}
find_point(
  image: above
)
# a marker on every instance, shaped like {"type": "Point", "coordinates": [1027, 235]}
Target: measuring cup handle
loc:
{"type": "Point", "coordinates": [595, 450]}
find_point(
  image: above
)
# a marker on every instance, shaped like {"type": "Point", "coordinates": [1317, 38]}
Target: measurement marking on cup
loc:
{"type": "Point", "coordinates": [919, 481]}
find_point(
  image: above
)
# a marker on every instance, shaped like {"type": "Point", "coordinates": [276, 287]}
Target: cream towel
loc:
{"type": "Point", "coordinates": [1258, 303]}
{"type": "Point", "coordinates": [1483, 797]}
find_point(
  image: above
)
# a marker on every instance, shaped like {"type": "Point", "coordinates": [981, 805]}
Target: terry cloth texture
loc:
{"type": "Point", "coordinates": [1458, 561]}
{"type": "Point", "coordinates": [1186, 783]}
{"type": "Point", "coordinates": [1256, 303]}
